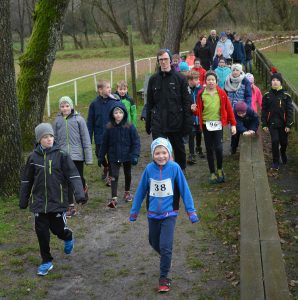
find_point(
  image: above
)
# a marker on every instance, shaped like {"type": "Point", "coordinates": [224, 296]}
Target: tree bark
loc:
{"type": "Point", "coordinates": [36, 65]}
{"type": "Point", "coordinates": [176, 10]}
{"type": "Point", "coordinates": [10, 137]}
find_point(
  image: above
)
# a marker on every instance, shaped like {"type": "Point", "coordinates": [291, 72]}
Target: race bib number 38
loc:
{"type": "Point", "coordinates": [161, 188]}
{"type": "Point", "coordinates": [213, 125]}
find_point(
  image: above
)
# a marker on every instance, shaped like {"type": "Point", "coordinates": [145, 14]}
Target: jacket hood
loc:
{"type": "Point", "coordinates": [122, 107]}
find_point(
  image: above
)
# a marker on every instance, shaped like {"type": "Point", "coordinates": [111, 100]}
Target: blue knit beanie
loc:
{"type": "Point", "coordinates": [183, 66]}
{"type": "Point", "coordinates": [161, 142]}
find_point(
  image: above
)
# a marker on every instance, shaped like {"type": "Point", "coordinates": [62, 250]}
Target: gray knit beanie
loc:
{"type": "Point", "coordinates": [66, 99]}
{"type": "Point", "coordinates": [43, 129]}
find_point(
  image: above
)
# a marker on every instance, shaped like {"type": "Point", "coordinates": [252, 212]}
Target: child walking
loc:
{"type": "Point", "coordinates": [214, 111]}
{"type": "Point", "coordinates": [45, 184]}
{"type": "Point", "coordinates": [122, 92]}
{"type": "Point", "coordinates": [72, 136]}
{"type": "Point", "coordinates": [98, 118]}
{"type": "Point", "coordinates": [159, 180]}
{"type": "Point", "coordinates": [121, 143]}
{"type": "Point", "coordinates": [193, 78]}
{"type": "Point", "coordinates": [277, 118]}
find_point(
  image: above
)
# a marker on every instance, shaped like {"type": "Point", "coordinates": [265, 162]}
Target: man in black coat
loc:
{"type": "Point", "coordinates": [168, 106]}
{"type": "Point", "coordinates": [212, 41]}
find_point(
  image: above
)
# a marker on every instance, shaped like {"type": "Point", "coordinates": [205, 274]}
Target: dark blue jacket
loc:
{"type": "Point", "coordinates": [239, 52]}
{"type": "Point", "coordinates": [121, 142]}
{"type": "Point", "coordinates": [98, 117]}
{"type": "Point", "coordinates": [249, 122]}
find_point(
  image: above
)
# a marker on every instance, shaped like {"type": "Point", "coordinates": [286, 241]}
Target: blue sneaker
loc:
{"type": "Point", "coordinates": [68, 246]}
{"type": "Point", "coordinates": [44, 268]}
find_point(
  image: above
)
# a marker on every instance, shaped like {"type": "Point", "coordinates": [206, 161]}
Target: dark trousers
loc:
{"type": "Point", "coordinates": [56, 222]}
{"type": "Point", "coordinates": [213, 143]}
{"type": "Point", "coordinates": [235, 140]}
{"type": "Point", "coordinates": [80, 168]}
{"type": "Point", "coordinates": [115, 168]}
{"type": "Point", "coordinates": [161, 237]}
{"type": "Point", "coordinates": [177, 143]}
{"type": "Point", "coordinates": [278, 138]}
{"type": "Point", "coordinates": [196, 135]}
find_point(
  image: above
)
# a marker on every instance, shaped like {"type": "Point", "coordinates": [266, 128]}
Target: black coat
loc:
{"type": "Point", "coordinates": [168, 103]}
{"type": "Point", "coordinates": [277, 109]}
{"type": "Point", "coordinates": [204, 54]}
{"type": "Point", "coordinates": [248, 49]}
{"type": "Point", "coordinates": [212, 44]}
{"type": "Point", "coordinates": [45, 181]}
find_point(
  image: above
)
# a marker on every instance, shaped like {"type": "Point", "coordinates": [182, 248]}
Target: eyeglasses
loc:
{"type": "Point", "coordinates": [163, 59]}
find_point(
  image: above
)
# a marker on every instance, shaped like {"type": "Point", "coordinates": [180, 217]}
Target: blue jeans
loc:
{"type": "Point", "coordinates": [248, 65]}
{"type": "Point", "coordinates": [161, 237]}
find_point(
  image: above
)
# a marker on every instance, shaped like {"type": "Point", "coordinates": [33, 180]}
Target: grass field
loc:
{"type": "Point", "coordinates": [286, 62]}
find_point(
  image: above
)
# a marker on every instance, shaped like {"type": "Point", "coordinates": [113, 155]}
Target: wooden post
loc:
{"type": "Point", "coordinates": [132, 63]}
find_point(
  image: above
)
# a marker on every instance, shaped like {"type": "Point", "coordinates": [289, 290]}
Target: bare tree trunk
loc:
{"type": "Point", "coordinates": [10, 132]}
{"type": "Point", "coordinates": [164, 23]}
{"type": "Point", "coordinates": [36, 65]}
{"type": "Point", "coordinates": [176, 10]}
{"type": "Point", "coordinates": [97, 27]}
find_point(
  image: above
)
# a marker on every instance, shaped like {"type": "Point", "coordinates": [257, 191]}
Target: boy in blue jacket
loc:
{"type": "Point", "coordinates": [159, 180]}
{"type": "Point", "coordinates": [98, 118]}
{"type": "Point", "coordinates": [121, 143]}
{"type": "Point", "coordinates": [247, 123]}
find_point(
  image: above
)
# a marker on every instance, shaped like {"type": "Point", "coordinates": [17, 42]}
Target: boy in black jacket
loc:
{"type": "Point", "coordinates": [45, 183]}
{"type": "Point", "coordinates": [277, 118]}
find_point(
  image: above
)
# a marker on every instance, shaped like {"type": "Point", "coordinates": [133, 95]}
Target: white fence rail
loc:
{"type": "Point", "coordinates": [94, 75]}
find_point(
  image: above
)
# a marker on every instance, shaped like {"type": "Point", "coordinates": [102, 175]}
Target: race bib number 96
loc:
{"type": "Point", "coordinates": [213, 125]}
{"type": "Point", "coordinates": [160, 188]}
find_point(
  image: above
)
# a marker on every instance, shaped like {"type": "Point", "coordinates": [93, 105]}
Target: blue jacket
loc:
{"type": "Point", "coordinates": [239, 52]}
{"type": "Point", "coordinates": [121, 142]}
{"type": "Point", "coordinates": [249, 122]}
{"type": "Point", "coordinates": [222, 74]}
{"type": "Point", "coordinates": [194, 95]}
{"type": "Point", "coordinates": [162, 207]}
{"type": "Point", "coordinates": [98, 117]}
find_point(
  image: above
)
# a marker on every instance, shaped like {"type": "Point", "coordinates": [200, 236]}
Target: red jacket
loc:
{"type": "Point", "coordinates": [226, 110]}
{"type": "Point", "coordinates": [202, 72]}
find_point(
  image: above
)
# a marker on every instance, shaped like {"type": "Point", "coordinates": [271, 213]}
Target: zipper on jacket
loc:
{"type": "Point", "coordinates": [50, 167]}
{"type": "Point", "coordinates": [67, 136]}
{"type": "Point", "coordinates": [45, 180]}
{"type": "Point", "coordinates": [61, 193]}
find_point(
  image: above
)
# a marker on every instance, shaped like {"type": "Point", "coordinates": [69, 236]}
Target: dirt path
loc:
{"type": "Point", "coordinates": [113, 260]}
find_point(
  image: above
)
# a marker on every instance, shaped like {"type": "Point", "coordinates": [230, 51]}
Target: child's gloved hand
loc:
{"type": "Point", "coordinates": [133, 217]}
{"type": "Point", "coordinates": [194, 218]}
{"type": "Point", "coordinates": [134, 161]}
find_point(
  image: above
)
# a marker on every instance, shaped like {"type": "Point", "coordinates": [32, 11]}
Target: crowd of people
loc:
{"type": "Point", "coordinates": [187, 99]}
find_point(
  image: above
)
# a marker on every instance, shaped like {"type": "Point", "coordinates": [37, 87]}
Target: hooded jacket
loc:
{"type": "Point", "coordinates": [249, 122]}
{"type": "Point", "coordinates": [44, 184]}
{"type": "Point", "coordinates": [168, 103]}
{"type": "Point", "coordinates": [222, 74]}
{"type": "Point", "coordinates": [130, 107]}
{"type": "Point", "coordinates": [72, 136]}
{"type": "Point", "coordinates": [121, 142]}
{"type": "Point", "coordinates": [277, 109]}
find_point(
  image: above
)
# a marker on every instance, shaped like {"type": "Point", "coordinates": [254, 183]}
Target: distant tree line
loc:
{"type": "Point", "coordinates": [150, 18]}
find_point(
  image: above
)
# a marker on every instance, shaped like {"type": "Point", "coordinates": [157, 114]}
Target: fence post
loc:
{"type": "Point", "coordinates": [95, 82]}
{"type": "Point", "coordinates": [111, 78]}
{"type": "Point", "coordinates": [125, 73]}
{"type": "Point", "coordinates": [76, 92]}
{"type": "Point", "coordinates": [150, 68]}
{"type": "Point", "coordinates": [48, 104]}
{"type": "Point", "coordinates": [136, 68]}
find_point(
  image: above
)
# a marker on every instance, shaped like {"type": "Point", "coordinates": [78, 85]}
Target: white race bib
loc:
{"type": "Point", "coordinates": [161, 188]}
{"type": "Point", "coordinates": [213, 125]}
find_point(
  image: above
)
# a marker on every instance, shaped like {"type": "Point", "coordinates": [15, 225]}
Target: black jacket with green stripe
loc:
{"type": "Point", "coordinates": [44, 184]}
